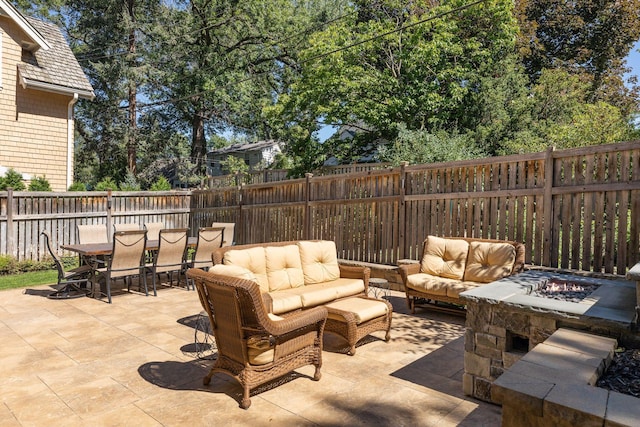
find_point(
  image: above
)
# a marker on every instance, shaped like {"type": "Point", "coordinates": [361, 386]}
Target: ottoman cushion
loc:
{"type": "Point", "coordinates": [363, 309]}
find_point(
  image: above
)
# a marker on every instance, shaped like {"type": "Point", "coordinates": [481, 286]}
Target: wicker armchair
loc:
{"type": "Point", "coordinates": [253, 347]}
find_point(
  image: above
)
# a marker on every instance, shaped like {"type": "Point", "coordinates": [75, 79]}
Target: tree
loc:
{"type": "Point", "coordinates": [39, 183]}
{"type": "Point", "coordinates": [390, 63]}
{"type": "Point", "coordinates": [12, 179]}
{"type": "Point", "coordinates": [589, 38]}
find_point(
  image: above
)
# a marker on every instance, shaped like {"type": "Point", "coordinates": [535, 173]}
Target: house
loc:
{"type": "Point", "coordinates": [256, 155]}
{"type": "Point", "coordinates": [40, 81]}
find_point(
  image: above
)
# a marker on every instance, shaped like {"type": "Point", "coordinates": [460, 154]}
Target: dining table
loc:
{"type": "Point", "coordinates": [89, 252]}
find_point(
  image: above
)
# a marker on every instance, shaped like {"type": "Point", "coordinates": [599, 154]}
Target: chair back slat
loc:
{"type": "Point", "coordinates": [171, 250]}
{"type": "Point", "coordinates": [153, 230]}
{"type": "Point", "coordinates": [92, 233]}
{"type": "Point", "coordinates": [229, 232]}
{"type": "Point", "coordinates": [209, 239]}
{"type": "Point", "coordinates": [128, 252]}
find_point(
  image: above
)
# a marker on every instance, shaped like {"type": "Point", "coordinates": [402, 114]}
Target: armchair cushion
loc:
{"type": "Point", "coordinates": [489, 261]}
{"type": "Point", "coordinates": [319, 261]}
{"type": "Point", "coordinates": [260, 350]}
{"type": "Point", "coordinates": [444, 257]}
{"type": "Point", "coordinates": [284, 269]}
{"type": "Point", "coordinates": [253, 260]}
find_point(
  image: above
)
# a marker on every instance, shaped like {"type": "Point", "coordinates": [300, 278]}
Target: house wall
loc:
{"type": "Point", "coordinates": [33, 124]}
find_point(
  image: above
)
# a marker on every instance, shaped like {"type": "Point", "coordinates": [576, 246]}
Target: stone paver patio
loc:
{"type": "Point", "coordinates": [84, 362]}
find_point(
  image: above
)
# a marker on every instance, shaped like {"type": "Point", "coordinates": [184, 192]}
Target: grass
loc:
{"type": "Point", "coordinates": [33, 278]}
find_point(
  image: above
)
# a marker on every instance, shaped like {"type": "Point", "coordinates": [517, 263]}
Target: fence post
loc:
{"type": "Point", "coordinates": [402, 222]}
{"type": "Point", "coordinates": [239, 230]}
{"type": "Point", "coordinates": [307, 209]}
{"type": "Point", "coordinates": [548, 207]}
{"type": "Point", "coordinates": [11, 242]}
{"type": "Point", "coordinates": [109, 219]}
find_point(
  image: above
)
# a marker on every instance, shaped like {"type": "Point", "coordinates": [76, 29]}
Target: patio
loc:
{"type": "Point", "coordinates": [84, 362]}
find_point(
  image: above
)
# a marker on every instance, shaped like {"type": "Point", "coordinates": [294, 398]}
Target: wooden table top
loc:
{"type": "Point", "coordinates": [92, 249]}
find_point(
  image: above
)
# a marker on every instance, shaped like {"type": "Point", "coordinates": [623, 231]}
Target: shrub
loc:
{"type": "Point", "coordinates": [12, 179]}
{"type": "Point", "coordinates": [106, 183]}
{"type": "Point", "coordinates": [39, 183]}
{"type": "Point", "coordinates": [8, 265]}
{"type": "Point", "coordinates": [161, 184]}
{"type": "Point", "coordinates": [78, 186]}
{"type": "Point", "coordinates": [130, 183]}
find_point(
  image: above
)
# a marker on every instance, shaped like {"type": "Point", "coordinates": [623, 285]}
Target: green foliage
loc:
{"type": "Point", "coordinates": [8, 265]}
{"type": "Point", "coordinates": [161, 184]}
{"type": "Point", "coordinates": [130, 183]}
{"type": "Point", "coordinates": [77, 186]}
{"type": "Point", "coordinates": [419, 147]}
{"type": "Point", "coordinates": [39, 184]}
{"type": "Point", "coordinates": [234, 165]}
{"type": "Point", "coordinates": [106, 184]}
{"type": "Point", "coordinates": [12, 179]}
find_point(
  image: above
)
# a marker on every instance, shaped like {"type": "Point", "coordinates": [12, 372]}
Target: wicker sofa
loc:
{"type": "Point", "coordinates": [449, 266]}
{"type": "Point", "coordinates": [293, 275]}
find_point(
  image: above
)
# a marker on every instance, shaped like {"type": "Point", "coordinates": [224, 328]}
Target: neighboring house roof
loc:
{"type": "Point", "coordinates": [55, 69]}
{"type": "Point", "coordinates": [243, 148]}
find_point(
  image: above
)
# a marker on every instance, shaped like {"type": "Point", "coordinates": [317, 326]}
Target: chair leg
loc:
{"type": "Point", "coordinates": [108, 285]}
{"type": "Point", "coordinates": [246, 401]}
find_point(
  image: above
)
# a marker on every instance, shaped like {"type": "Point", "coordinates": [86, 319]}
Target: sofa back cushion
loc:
{"type": "Point", "coordinates": [488, 262]}
{"type": "Point", "coordinates": [319, 261]}
{"type": "Point", "coordinates": [233, 271]}
{"type": "Point", "coordinates": [444, 257]}
{"type": "Point", "coordinates": [284, 269]}
{"type": "Point", "coordinates": [254, 260]}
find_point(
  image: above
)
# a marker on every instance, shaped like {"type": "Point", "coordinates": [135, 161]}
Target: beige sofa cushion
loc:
{"type": "Point", "coordinates": [312, 295]}
{"type": "Point", "coordinates": [363, 309]}
{"type": "Point", "coordinates": [444, 257]}
{"type": "Point", "coordinates": [488, 261]}
{"type": "Point", "coordinates": [431, 284]}
{"type": "Point", "coordinates": [252, 259]}
{"type": "Point", "coordinates": [319, 261]}
{"type": "Point", "coordinates": [284, 270]}
{"type": "Point", "coordinates": [233, 271]}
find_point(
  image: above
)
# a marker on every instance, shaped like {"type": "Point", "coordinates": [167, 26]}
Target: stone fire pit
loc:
{"type": "Point", "coordinates": [507, 318]}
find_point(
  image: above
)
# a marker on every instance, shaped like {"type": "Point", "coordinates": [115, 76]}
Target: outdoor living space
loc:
{"type": "Point", "coordinates": [136, 362]}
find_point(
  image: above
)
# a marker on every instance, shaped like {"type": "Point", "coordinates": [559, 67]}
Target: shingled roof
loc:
{"type": "Point", "coordinates": [55, 69]}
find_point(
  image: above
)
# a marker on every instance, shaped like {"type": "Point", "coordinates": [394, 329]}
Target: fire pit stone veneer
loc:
{"type": "Point", "coordinates": [506, 319]}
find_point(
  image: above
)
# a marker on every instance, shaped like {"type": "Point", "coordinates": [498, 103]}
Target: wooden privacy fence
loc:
{"type": "Point", "coordinates": [23, 215]}
{"type": "Point", "coordinates": [577, 208]}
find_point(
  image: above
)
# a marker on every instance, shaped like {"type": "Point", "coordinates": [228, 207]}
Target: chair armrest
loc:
{"type": "Point", "coordinates": [408, 269]}
{"type": "Point", "coordinates": [356, 272]}
{"type": "Point", "coordinates": [304, 319]}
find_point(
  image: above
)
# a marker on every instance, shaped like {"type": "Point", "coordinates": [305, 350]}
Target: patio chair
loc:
{"type": "Point", "coordinates": [170, 256]}
{"type": "Point", "coordinates": [254, 347]}
{"type": "Point", "coordinates": [69, 282]}
{"type": "Point", "coordinates": [92, 233]}
{"type": "Point", "coordinates": [126, 261]}
{"type": "Point", "coordinates": [153, 230]}
{"type": "Point", "coordinates": [229, 231]}
{"type": "Point", "coordinates": [125, 227]}
{"type": "Point", "coordinates": [209, 238]}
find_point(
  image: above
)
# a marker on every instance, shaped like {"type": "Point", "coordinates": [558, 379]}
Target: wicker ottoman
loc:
{"type": "Point", "coordinates": [355, 318]}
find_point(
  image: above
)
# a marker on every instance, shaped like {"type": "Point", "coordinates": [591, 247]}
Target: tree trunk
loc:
{"type": "Point", "coordinates": [131, 144]}
{"type": "Point", "coordinates": [198, 144]}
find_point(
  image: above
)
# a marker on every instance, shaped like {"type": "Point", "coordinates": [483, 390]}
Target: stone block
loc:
{"type": "Point", "coordinates": [622, 410]}
{"type": "Point", "coordinates": [581, 342]}
{"type": "Point", "coordinates": [498, 331]}
{"type": "Point", "coordinates": [514, 417]}
{"type": "Point", "coordinates": [490, 352]}
{"type": "Point", "coordinates": [476, 365]}
{"type": "Point", "coordinates": [576, 405]}
{"type": "Point", "coordinates": [509, 358]}
{"type": "Point", "coordinates": [522, 392]}
{"type": "Point", "coordinates": [469, 340]}
{"type": "Point", "coordinates": [482, 389]}
{"type": "Point", "coordinates": [543, 322]}
{"type": "Point", "coordinates": [467, 384]}
{"type": "Point", "coordinates": [486, 340]}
